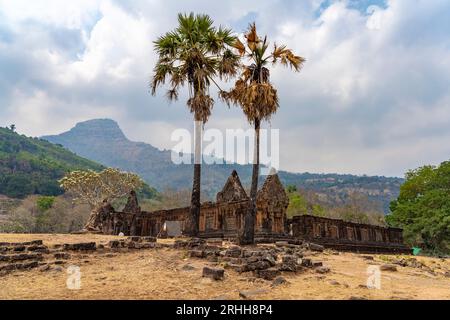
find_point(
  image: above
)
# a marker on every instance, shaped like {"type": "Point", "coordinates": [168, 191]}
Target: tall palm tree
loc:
{"type": "Point", "coordinates": [193, 55]}
{"type": "Point", "coordinates": [258, 98]}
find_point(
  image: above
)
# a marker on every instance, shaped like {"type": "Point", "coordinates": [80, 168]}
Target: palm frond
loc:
{"type": "Point", "coordinates": [252, 37]}
{"type": "Point", "coordinates": [287, 58]}
{"type": "Point", "coordinates": [239, 46]}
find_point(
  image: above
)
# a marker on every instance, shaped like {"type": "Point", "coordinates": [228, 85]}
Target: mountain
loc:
{"type": "Point", "coordinates": [103, 141]}
{"type": "Point", "coordinates": [33, 166]}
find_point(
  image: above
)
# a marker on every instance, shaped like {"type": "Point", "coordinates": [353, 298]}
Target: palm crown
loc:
{"type": "Point", "coordinates": [194, 54]}
{"type": "Point", "coordinates": [253, 91]}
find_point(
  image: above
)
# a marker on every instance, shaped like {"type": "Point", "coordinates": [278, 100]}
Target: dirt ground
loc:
{"type": "Point", "coordinates": [159, 274]}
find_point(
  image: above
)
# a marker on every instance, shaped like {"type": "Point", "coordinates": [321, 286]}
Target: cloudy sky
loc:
{"type": "Point", "coordinates": [373, 97]}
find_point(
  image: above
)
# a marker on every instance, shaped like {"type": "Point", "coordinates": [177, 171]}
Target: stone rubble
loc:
{"type": "Point", "coordinates": [265, 261]}
{"type": "Point", "coordinates": [213, 273]}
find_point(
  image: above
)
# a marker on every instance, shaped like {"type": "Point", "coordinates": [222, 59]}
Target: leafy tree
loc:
{"type": "Point", "coordinates": [423, 208]}
{"type": "Point", "coordinates": [45, 203]}
{"type": "Point", "coordinates": [194, 54]}
{"type": "Point", "coordinates": [291, 189]}
{"type": "Point", "coordinates": [258, 98]}
{"type": "Point", "coordinates": [297, 205]}
{"type": "Point", "coordinates": [318, 211]}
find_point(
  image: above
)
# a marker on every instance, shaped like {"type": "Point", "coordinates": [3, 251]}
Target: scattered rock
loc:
{"type": "Point", "coordinates": [114, 244]}
{"type": "Point", "coordinates": [188, 267]}
{"type": "Point", "coordinates": [317, 264]}
{"type": "Point", "coordinates": [288, 263]}
{"type": "Point", "coordinates": [33, 243]}
{"type": "Point", "coordinates": [213, 273]}
{"type": "Point", "coordinates": [357, 298]}
{"type": "Point", "coordinates": [268, 274]}
{"type": "Point", "coordinates": [195, 242]}
{"type": "Point", "coordinates": [316, 247]}
{"type": "Point", "coordinates": [271, 260]}
{"type": "Point", "coordinates": [212, 259]}
{"type": "Point", "coordinates": [249, 294]}
{"type": "Point", "coordinates": [388, 267]}
{"type": "Point", "coordinates": [45, 268]}
{"type": "Point", "coordinates": [134, 239]}
{"type": "Point", "coordinates": [22, 257]}
{"type": "Point", "coordinates": [322, 270]}
{"type": "Point", "coordinates": [282, 243]}
{"type": "Point", "coordinates": [38, 248]}
{"type": "Point", "coordinates": [234, 252]}
{"type": "Point", "coordinates": [58, 269]}
{"type": "Point", "coordinates": [279, 281]}
{"type": "Point", "coordinates": [197, 254]}
{"type": "Point", "coordinates": [62, 256]}
{"type": "Point", "coordinates": [149, 239]}
{"type": "Point", "coordinates": [179, 244]}
{"type": "Point", "coordinates": [370, 258]}
{"type": "Point", "coordinates": [222, 298]}
{"type": "Point", "coordinates": [334, 283]}
{"type": "Point", "coordinates": [90, 246]}
{"type": "Point", "coordinates": [8, 267]}
{"type": "Point", "coordinates": [307, 263]}
{"type": "Point", "coordinates": [258, 265]}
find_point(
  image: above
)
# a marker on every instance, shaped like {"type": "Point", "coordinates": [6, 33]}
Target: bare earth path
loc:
{"type": "Point", "coordinates": [159, 274]}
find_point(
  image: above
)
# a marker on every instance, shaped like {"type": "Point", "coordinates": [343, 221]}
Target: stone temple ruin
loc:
{"type": "Point", "coordinates": [225, 218]}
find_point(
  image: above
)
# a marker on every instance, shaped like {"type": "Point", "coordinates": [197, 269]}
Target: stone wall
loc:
{"type": "Point", "coordinates": [348, 236]}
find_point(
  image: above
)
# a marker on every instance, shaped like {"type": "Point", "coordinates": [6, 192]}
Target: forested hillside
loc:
{"type": "Point", "coordinates": [33, 166]}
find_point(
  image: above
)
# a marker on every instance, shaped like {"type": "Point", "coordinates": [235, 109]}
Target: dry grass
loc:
{"type": "Point", "coordinates": [158, 274]}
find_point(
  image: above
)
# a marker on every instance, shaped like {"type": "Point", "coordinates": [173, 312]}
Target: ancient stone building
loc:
{"type": "Point", "coordinates": [222, 219]}
{"type": "Point", "coordinates": [225, 219]}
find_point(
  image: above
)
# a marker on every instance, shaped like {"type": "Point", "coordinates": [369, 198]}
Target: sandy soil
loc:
{"type": "Point", "coordinates": [159, 274]}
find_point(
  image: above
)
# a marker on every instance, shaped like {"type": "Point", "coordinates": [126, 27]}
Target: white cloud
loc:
{"type": "Point", "coordinates": [373, 96]}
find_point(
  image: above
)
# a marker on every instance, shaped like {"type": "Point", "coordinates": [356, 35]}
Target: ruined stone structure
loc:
{"type": "Point", "coordinates": [347, 236]}
{"type": "Point", "coordinates": [225, 219]}
{"type": "Point", "coordinates": [222, 219]}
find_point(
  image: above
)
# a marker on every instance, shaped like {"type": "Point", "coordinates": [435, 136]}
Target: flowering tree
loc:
{"type": "Point", "coordinates": [98, 189]}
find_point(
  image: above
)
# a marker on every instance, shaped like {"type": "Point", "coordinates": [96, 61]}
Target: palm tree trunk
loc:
{"type": "Point", "coordinates": [193, 220]}
{"type": "Point", "coordinates": [248, 235]}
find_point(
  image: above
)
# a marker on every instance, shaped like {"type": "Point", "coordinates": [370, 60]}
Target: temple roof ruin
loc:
{"type": "Point", "coordinates": [233, 190]}
{"type": "Point", "coordinates": [273, 193]}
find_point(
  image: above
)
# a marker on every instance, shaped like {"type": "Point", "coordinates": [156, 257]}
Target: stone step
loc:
{"type": "Point", "coordinates": [30, 243]}
{"type": "Point", "coordinates": [19, 266]}
{"type": "Point", "coordinates": [21, 257]}
{"type": "Point", "coordinates": [90, 246]}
